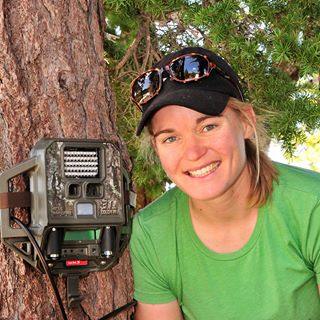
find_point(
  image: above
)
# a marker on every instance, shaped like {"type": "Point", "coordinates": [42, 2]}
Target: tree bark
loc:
{"type": "Point", "coordinates": [54, 83]}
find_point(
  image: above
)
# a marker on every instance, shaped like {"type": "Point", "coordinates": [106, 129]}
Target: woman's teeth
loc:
{"type": "Point", "coordinates": [204, 171]}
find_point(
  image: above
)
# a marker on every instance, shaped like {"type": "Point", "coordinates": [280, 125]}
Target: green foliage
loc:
{"type": "Point", "coordinates": [130, 7]}
{"type": "Point", "coordinates": [150, 174]}
{"type": "Point", "coordinates": [309, 151]}
{"type": "Point", "coordinates": [274, 45]}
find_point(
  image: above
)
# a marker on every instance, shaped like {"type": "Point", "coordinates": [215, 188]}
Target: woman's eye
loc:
{"type": "Point", "coordinates": [209, 127]}
{"type": "Point", "coordinates": [169, 139]}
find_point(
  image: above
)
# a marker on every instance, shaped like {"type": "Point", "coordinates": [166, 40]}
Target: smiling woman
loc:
{"type": "Point", "coordinates": [238, 237]}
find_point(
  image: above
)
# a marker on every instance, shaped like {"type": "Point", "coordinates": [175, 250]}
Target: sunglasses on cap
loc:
{"type": "Point", "coordinates": [183, 69]}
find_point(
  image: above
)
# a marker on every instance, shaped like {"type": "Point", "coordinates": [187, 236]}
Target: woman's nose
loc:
{"type": "Point", "coordinates": [194, 148]}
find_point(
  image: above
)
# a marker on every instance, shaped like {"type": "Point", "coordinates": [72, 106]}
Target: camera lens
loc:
{"type": "Point", "coordinates": [74, 190]}
{"type": "Point", "coordinates": [93, 190]}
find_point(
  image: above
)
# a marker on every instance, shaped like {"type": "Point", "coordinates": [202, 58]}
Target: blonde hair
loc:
{"type": "Point", "coordinates": [262, 172]}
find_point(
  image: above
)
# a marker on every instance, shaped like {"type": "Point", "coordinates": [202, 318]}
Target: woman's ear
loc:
{"type": "Point", "coordinates": [249, 122]}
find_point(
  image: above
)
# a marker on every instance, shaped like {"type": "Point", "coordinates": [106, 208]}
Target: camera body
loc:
{"type": "Point", "coordinates": [80, 208]}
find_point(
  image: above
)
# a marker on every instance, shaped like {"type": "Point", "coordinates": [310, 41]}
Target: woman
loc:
{"type": "Point", "coordinates": [238, 237]}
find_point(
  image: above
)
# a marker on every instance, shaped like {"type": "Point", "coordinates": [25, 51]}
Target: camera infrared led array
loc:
{"type": "Point", "coordinates": [81, 163]}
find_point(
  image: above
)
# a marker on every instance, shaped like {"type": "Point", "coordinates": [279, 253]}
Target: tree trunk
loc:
{"type": "Point", "coordinates": [54, 83]}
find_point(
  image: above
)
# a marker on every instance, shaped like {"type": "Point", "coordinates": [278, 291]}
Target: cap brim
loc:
{"type": "Point", "coordinates": [207, 102]}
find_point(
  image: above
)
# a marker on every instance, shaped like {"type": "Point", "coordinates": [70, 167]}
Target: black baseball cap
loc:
{"type": "Point", "coordinates": [208, 95]}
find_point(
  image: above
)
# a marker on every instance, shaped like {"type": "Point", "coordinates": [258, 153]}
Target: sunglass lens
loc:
{"type": "Point", "coordinates": [189, 67]}
{"type": "Point", "coordinates": [146, 86]}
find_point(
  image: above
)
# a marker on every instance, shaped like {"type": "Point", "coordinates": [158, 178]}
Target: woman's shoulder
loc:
{"type": "Point", "coordinates": [163, 208]}
{"type": "Point", "coordinates": [157, 222]}
{"type": "Point", "coordinates": [298, 179]}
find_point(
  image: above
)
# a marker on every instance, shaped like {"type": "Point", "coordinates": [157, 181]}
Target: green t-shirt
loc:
{"type": "Point", "coordinates": [273, 276]}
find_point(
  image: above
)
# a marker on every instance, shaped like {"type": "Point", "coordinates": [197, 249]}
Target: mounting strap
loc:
{"type": "Point", "coordinates": [15, 199]}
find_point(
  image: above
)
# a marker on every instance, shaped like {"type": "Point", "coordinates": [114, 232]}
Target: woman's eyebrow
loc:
{"type": "Point", "coordinates": [163, 131]}
{"type": "Point", "coordinates": [205, 117]}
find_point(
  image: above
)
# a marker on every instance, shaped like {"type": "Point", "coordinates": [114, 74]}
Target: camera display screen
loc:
{"type": "Point", "coordinates": [72, 235]}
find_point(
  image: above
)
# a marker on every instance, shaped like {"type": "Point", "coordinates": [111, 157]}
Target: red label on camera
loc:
{"type": "Point", "coordinates": [76, 263]}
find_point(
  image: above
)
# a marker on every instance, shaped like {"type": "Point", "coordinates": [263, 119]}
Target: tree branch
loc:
{"type": "Point", "coordinates": [132, 49]}
{"type": "Point", "coordinates": [148, 48]}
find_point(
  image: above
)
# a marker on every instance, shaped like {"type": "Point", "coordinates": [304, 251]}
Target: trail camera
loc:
{"type": "Point", "coordinates": [79, 206]}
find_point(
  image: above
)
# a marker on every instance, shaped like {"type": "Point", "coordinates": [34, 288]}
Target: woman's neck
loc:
{"type": "Point", "coordinates": [223, 226]}
{"type": "Point", "coordinates": [220, 213]}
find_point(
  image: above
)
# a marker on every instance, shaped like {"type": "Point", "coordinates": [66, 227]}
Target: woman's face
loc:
{"type": "Point", "coordinates": [203, 155]}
